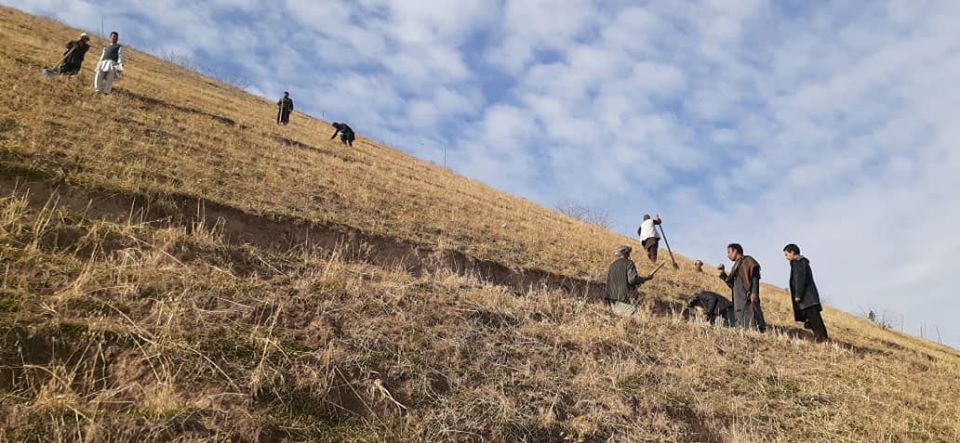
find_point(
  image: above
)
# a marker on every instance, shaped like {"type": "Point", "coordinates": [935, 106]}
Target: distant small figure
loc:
{"type": "Point", "coordinates": [623, 281]}
{"type": "Point", "coordinates": [698, 266]}
{"type": "Point", "coordinates": [110, 66]}
{"type": "Point", "coordinates": [346, 134]}
{"type": "Point", "coordinates": [73, 56]}
{"type": "Point", "coordinates": [284, 108]}
{"type": "Point", "coordinates": [649, 237]}
{"type": "Point", "coordinates": [715, 307]}
{"type": "Point", "coordinates": [804, 293]}
{"type": "Point", "coordinates": [744, 280]}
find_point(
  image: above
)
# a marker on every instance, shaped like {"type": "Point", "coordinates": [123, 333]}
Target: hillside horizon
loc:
{"type": "Point", "coordinates": [179, 266]}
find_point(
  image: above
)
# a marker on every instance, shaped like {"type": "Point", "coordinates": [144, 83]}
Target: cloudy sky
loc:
{"type": "Point", "coordinates": [832, 124]}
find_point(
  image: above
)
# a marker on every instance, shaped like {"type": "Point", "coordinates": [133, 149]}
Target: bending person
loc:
{"type": "Point", "coordinates": [715, 307]}
{"type": "Point", "coordinates": [346, 133]}
{"type": "Point", "coordinates": [74, 55]}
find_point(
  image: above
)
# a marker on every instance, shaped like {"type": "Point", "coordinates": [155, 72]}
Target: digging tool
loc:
{"type": "Point", "coordinates": [664, 235]}
{"type": "Point", "coordinates": [52, 72]}
{"type": "Point", "coordinates": [636, 304]}
{"type": "Point", "coordinates": [655, 270]}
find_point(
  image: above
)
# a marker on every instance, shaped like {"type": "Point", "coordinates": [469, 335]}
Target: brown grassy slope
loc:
{"type": "Point", "coordinates": [168, 130]}
{"type": "Point", "coordinates": [114, 331]}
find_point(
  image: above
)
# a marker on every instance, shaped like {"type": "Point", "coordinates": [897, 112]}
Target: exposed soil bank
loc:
{"type": "Point", "coordinates": [284, 233]}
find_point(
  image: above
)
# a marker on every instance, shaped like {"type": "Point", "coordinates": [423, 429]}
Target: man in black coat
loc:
{"type": "Point", "coordinates": [284, 108]}
{"type": "Point", "coordinates": [715, 307]}
{"type": "Point", "coordinates": [623, 281]}
{"type": "Point", "coordinates": [73, 56]}
{"type": "Point", "coordinates": [346, 133]}
{"type": "Point", "coordinates": [803, 291]}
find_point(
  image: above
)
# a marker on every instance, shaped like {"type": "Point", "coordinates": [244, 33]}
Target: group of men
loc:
{"type": "Point", "coordinates": [108, 69]}
{"type": "Point", "coordinates": [285, 107]}
{"type": "Point", "coordinates": [622, 278]}
{"type": "Point", "coordinates": [743, 279]}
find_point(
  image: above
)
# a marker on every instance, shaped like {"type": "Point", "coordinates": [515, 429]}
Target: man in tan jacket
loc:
{"type": "Point", "coordinates": [744, 280]}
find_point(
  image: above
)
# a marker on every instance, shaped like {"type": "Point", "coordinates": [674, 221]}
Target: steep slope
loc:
{"type": "Point", "coordinates": [288, 307]}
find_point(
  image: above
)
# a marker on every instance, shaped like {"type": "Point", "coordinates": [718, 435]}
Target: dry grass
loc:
{"type": "Point", "coordinates": [120, 329]}
{"type": "Point", "coordinates": [169, 130]}
{"type": "Point", "coordinates": [111, 331]}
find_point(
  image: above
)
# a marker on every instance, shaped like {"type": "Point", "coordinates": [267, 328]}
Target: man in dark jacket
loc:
{"type": "Point", "coordinates": [715, 307]}
{"type": "Point", "coordinates": [804, 293]}
{"type": "Point", "coordinates": [346, 133]}
{"type": "Point", "coordinates": [622, 283]}
{"type": "Point", "coordinates": [744, 280]}
{"type": "Point", "coordinates": [284, 108]}
{"type": "Point", "coordinates": [73, 56]}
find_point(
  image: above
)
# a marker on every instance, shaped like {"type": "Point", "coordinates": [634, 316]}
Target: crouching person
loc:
{"type": "Point", "coordinates": [622, 283]}
{"type": "Point", "coordinates": [715, 308]}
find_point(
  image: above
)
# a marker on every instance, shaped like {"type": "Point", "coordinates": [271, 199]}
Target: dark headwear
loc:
{"type": "Point", "coordinates": [646, 216]}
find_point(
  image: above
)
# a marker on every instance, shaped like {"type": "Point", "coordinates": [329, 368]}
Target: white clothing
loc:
{"type": "Point", "coordinates": [105, 65]}
{"type": "Point", "coordinates": [647, 230]}
{"type": "Point", "coordinates": [107, 72]}
{"type": "Point", "coordinates": [103, 80]}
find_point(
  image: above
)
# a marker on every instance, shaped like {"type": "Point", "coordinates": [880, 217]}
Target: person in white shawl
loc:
{"type": "Point", "coordinates": [110, 66]}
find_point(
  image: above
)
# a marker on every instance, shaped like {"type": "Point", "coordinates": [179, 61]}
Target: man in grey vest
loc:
{"type": "Point", "coordinates": [622, 283]}
{"type": "Point", "coordinates": [110, 66]}
{"type": "Point", "coordinates": [804, 293]}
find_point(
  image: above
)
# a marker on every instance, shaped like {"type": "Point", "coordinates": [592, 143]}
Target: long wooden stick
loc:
{"type": "Point", "coordinates": [664, 235]}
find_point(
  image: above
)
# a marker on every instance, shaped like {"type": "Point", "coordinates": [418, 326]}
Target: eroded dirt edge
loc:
{"type": "Point", "coordinates": [284, 233]}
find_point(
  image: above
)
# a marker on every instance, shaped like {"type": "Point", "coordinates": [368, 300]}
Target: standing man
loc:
{"type": "Point", "coordinates": [110, 66]}
{"type": "Point", "coordinates": [284, 108]}
{"type": "Point", "coordinates": [715, 307]}
{"type": "Point", "coordinates": [346, 134]}
{"type": "Point", "coordinates": [622, 283]}
{"type": "Point", "coordinates": [804, 294]}
{"type": "Point", "coordinates": [744, 280]}
{"type": "Point", "coordinates": [649, 237]}
{"type": "Point", "coordinates": [73, 56]}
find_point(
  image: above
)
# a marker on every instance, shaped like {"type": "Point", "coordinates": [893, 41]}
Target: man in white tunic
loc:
{"type": "Point", "coordinates": [110, 66]}
{"type": "Point", "coordinates": [649, 237]}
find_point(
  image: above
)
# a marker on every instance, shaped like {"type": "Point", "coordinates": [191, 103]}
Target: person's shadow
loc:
{"type": "Point", "coordinates": [794, 332]}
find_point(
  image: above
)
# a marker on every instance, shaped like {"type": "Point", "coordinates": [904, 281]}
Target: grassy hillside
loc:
{"type": "Point", "coordinates": [159, 326]}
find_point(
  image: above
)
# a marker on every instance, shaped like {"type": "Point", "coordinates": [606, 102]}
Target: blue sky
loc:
{"type": "Point", "coordinates": [831, 124]}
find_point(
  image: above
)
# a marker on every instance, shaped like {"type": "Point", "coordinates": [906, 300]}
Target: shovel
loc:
{"type": "Point", "coordinates": [52, 72]}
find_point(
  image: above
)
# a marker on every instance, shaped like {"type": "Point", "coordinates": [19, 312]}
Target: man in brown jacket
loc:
{"type": "Point", "coordinates": [744, 280]}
